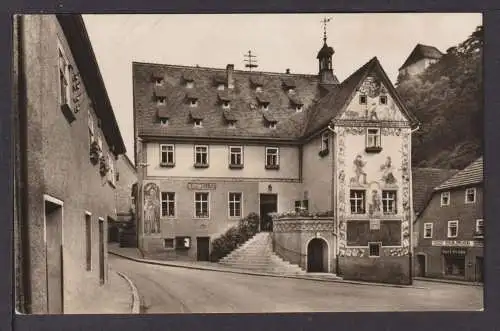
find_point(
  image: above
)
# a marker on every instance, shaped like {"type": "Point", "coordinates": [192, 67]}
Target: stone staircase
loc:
{"type": "Point", "coordinates": [257, 255]}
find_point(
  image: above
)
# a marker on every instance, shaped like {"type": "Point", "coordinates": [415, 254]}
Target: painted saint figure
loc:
{"type": "Point", "coordinates": [387, 169]}
{"type": "Point", "coordinates": [151, 208]}
{"type": "Point", "coordinates": [359, 164]}
{"type": "Point", "coordinates": [375, 204]}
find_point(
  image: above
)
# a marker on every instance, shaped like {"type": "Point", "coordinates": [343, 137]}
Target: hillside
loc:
{"type": "Point", "coordinates": [447, 99]}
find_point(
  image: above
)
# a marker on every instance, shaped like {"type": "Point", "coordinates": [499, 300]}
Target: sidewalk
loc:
{"type": "Point", "coordinates": [135, 255]}
{"type": "Point", "coordinates": [117, 296]}
{"type": "Point", "coordinates": [449, 281]}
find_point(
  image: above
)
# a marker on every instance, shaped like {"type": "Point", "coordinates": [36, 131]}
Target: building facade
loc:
{"type": "Point", "coordinates": [214, 145]}
{"type": "Point", "coordinates": [420, 59]}
{"type": "Point", "coordinates": [66, 145]}
{"type": "Point", "coordinates": [451, 228]}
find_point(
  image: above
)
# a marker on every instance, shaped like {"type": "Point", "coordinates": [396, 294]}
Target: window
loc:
{"type": "Point", "coordinates": [226, 104]}
{"type": "Point", "coordinates": [374, 249]}
{"type": "Point", "coordinates": [357, 199]}
{"type": "Point", "coordinates": [389, 202]}
{"type": "Point", "coordinates": [264, 106]}
{"type": "Point", "coordinates": [372, 138]}
{"type": "Point", "coordinates": [167, 156]}
{"type": "Point", "coordinates": [161, 100]}
{"type": "Point", "coordinates": [201, 205]}
{"type": "Point", "coordinates": [383, 99]}
{"type": "Point", "coordinates": [301, 205]}
{"type": "Point", "coordinates": [298, 206]}
{"type": "Point", "coordinates": [193, 103]}
{"type": "Point", "coordinates": [235, 156]}
{"type": "Point", "coordinates": [201, 156]}
{"type": "Point", "coordinates": [271, 125]}
{"type": "Point", "coordinates": [325, 141]}
{"type": "Point", "coordinates": [470, 195]}
{"type": "Point", "coordinates": [479, 227]}
{"type": "Point", "coordinates": [64, 79]}
{"type": "Point", "coordinates": [452, 229]}
{"type": "Point", "coordinates": [167, 204]}
{"type": "Point", "coordinates": [362, 99]}
{"type": "Point", "coordinates": [258, 89]}
{"type": "Point", "coordinates": [88, 240]}
{"type": "Point", "coordinates": [91, 127]}
{"type": "Point", "coordinates": [111, 172]}
{"type": "Point", "coordinates": [158, 81]}
{"type": "Point", "coordinates": [445, 198]}
{"type": "Point", "coordinates": [235, 205]}
{"type": "Point", "coordinates": [231, 125]}
{"type": "Point", "coordinates": [168, 243]}
{"type": "Point", "coordinates": [220, 87]}
{"type": "Point", "coordinates": [189, 84]}
{"type": "Point", "coordinates": [427, 230]}
{"type": "Point", "coordinates": [272, 158]}
{"type": "Point", "coordinates": [298, 108]}
{"type": "Point", "coordinates": [197, 123]}
{"type": "Point", "coordinates": [164, 121]}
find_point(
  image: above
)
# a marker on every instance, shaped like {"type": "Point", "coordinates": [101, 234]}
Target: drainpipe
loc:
{"type": "Point", "coordinates": [334, 197]}
{"type": "Point", "coordinates": [21, 175]}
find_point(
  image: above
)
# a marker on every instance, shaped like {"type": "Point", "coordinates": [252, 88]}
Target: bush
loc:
{"type": "Point", "coordinates": [234, 237]}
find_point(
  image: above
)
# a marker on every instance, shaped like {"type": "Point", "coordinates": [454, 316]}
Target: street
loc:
{"type": "Point", "coordinates": [178, 290]}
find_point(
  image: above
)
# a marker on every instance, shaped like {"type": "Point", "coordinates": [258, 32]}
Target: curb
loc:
{"type": "Point", "coordinates": [136, 304]}
{"type": "Point", "coordinates": [448, 281]}
{"type": "Point", "coordinates": [262, 274]}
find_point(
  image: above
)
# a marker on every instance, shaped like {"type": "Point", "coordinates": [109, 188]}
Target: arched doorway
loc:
{"type": "Point", "coordinates": [317, 255]}
{"type": "Point", "coordinates": [421, 263]}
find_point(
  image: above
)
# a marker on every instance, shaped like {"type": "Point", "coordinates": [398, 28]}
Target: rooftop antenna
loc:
{"type": "Point", "coordinates": [250, 60]}
{"type": "Point", "coordinates": [325, 21]}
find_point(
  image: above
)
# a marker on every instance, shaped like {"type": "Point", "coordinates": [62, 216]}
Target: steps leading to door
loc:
{"type": "Point", "coordinates": [257, 254]}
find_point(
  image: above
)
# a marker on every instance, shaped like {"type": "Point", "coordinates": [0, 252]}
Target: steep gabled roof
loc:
{"type": "Point", "coordinates": [422, 52]}
{"type": "Point", "coordinates": [424, 181]}
{"type": "Point", "coordinates": [332, 104]}
{"type": "Point", "coordinates": [470, 175]}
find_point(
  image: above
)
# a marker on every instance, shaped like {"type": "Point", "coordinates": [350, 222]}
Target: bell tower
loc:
{"type": "Point", "coordinates": [326, 76]}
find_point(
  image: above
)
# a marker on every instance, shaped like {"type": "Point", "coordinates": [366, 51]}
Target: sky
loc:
{"type": "Point", "coordinates": [280, 42]}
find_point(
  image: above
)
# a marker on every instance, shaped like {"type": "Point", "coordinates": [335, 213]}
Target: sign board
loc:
{"type": "Point", "coordinates": [201, 186]}
{"type": "Point", "coordinates": [374, 224]}
{"type": "Point", "coordinates": [453, 243]}
{"type": "Point", "coordinates": [461, 251]}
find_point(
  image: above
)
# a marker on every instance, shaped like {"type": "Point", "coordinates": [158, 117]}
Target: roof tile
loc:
{"type": "Point", "coordinates": [470, 175]}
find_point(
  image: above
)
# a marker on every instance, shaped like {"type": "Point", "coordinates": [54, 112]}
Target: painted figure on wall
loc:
{"type": "Point", "coordinates": [151, 208]}
{"type": "Point", "coordinates": [374, 208]}
{"type": "Point", "coordinates": [387, 169]}
{"type": "Point", "coordinates": [359, 172]}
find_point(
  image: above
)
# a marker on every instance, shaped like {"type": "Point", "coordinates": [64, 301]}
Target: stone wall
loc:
{"type": "Point", "coordinates": [387, 269]}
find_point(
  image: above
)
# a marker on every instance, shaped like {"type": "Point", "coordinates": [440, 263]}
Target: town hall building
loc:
{"type": "Point", "coordinates": [213, 145]}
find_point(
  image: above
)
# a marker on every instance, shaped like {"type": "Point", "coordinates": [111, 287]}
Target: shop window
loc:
{"type": "Point", "coordinates": [454, 265]}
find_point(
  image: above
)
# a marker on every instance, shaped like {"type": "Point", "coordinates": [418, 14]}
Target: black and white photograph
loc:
{"type": "Point", "coordinates": [248, 163]}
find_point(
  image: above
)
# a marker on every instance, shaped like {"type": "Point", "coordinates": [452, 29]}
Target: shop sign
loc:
{"type": "Point", "coordinates": [454, 251]}
{"type": "Point", "coordinates": [454, 243]}
{"type": "Point", "coordinates": [201, 186]}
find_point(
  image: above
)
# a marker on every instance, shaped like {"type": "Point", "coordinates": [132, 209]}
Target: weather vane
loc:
{"type": "Point", "coordinates": [324, 21]}
{"type": "Point", "coordinates": [250, 60]}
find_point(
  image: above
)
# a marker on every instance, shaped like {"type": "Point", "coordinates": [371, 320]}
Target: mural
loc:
{"type": "Point", "coordinates": [373, 109]}
{"type": "Point", "coordinates": [360, 174]}
{"type": "Point", "coordinates": [151, 208]}
{"type": "Point", "coordinates": [341, 207]}
{"type": "Point", "coordinates": [387, 169]}
{"type": "Point", "coordinates": [374, 200]}
{"type": "Point", "coordinates": [405, 168]}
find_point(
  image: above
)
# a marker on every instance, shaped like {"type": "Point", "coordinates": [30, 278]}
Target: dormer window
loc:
{"type": "Point", "coordinates": [197, 123]}
{"type": "Point", "coordinates": [258, 89]}
{"type": "Point", "coordinates": [159, 81]}
{"type": "Point", "coordinates": [291, 90]}
{"type": "Point", "coordinates": [161, 100]}
{"type": "Point", "coordinates": [193, 103]}
{"type": "Point", "coordinates": [225, 105]}
{"type": "Point", "coordinates": [231, 125]}
{"type": "Point", "coordinates": [190, 84]}
{"type": "Point", "coordinates": [220, 87]}
{"type": "Point", "coordinates": [298, 108]}
{"type": "Point", "coordinates": [362, 99]}
{"type": "Point", "coordinates": [271, 125]}
{"type": "Point", "coordinates": [264, 106]}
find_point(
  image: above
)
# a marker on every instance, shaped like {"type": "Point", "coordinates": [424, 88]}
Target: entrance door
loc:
{"type": "Point", "coordinates": [479, 269]}
{"type": "Point", "coordinates": [101, 250]}
{"type": "Point", "coordinates": [317, 255]}
{"type": "Point", "coordinates": [268, 204]}
{"type": "Point", "coordinates": [421, 265]}
{"type": "Point", "coordinates": [203, 248]}
{"type": "Point", "coordinates": [53, 248]}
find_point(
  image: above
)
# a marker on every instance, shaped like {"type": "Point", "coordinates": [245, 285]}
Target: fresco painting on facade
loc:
{"type": "Point", "coordinates": [360, 174]}
{"type": "Point", "coordinates": [151, 209]}
{"type": "Point", "coordinates": [387, 169]}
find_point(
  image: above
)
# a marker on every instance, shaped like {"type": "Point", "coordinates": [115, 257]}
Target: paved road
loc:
{"type": "Point", "coordinates": [178, 290]}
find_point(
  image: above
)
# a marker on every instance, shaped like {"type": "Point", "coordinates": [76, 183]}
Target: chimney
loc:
{"type": "Point", "coordinates": [230, 78]}
{"type": "Point", "coordinates": [287, 70]}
